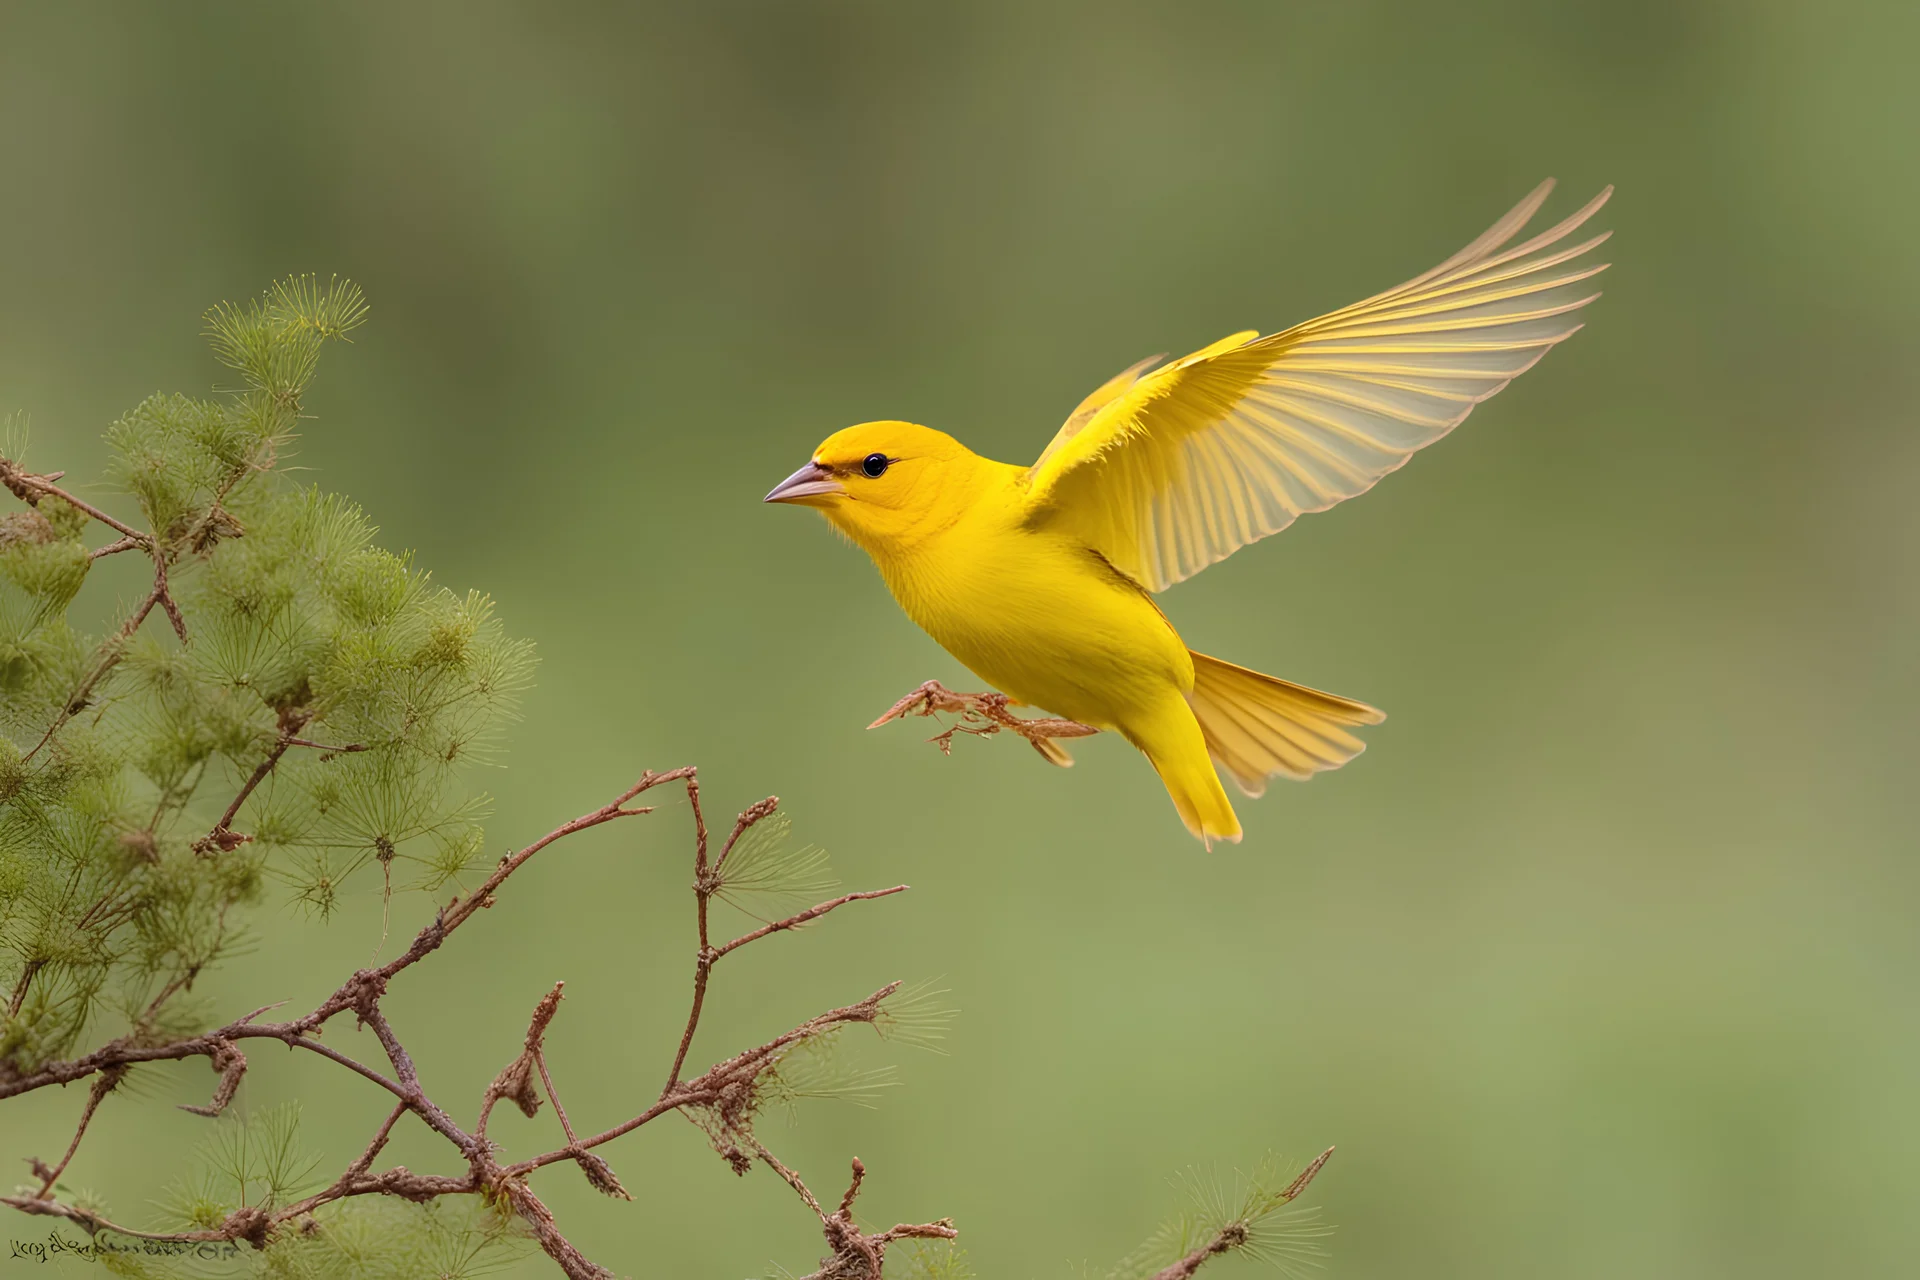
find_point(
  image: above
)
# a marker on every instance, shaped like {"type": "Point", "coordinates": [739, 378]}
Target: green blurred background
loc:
{"type": "Point", "coordinates": [1599, 963]}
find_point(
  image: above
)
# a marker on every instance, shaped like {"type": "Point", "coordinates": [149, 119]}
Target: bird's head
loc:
{"type": "Point", "coordinates": [885, 484]}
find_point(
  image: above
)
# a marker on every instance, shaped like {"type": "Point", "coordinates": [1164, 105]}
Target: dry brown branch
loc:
{"type": "Point", "coordinates": [515, 1080]}
{"type": "Point", "coordinates": [857, 1255]}
{"type": "Point", "coordinates": [103, 1084]}
{"type": "Point", "coordinates": [355, 1171]}
{"type": "Point", "coordinates": [983, 715]}
{"type": "Point", "coordinates": [19, 996]}
{"type": "Point", "coordinates": [723, 1099]}
{"type": "Point", "coordinates": [811, 913]}
{"type": "Point", "coordinates": [30, 488]}
{"type": "Point", "coordinates": [227, 1059]}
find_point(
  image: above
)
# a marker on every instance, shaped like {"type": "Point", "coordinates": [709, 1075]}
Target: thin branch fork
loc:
{"type": "Point", "coordinates": [515, 1080]}
{"type": "Point", "coordinates": [811, 913]}
{"type": "Point", "coordinates": [344, 1184]}
{"type": "Point", "coordinates": [720, 1079]}
{"type": "Point", "coordinates": [103, 1084]}
{"type": "Point", "coordinates": [707, 883]}
{"type": "Point", "coordinates": [30, 488]}
{"type": "Point", "coordinates": [223, 838]}
{"type": "Point", "coordinates": [855, 1252]}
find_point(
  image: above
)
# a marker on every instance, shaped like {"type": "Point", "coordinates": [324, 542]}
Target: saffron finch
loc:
{"type": "Point", "coordinates": [1040, 579]}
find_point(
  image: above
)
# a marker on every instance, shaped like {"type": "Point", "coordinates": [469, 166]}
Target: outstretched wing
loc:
{"type": "Point", "coordinates": [1168, 472]}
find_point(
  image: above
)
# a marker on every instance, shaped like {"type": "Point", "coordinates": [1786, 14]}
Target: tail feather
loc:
{"type": "Point", "coordinates": [1258, 727]}
{"type": "Point", "coordinates": [1169, 736]}
{"type": "Point", "coordinates": [1198, 796]}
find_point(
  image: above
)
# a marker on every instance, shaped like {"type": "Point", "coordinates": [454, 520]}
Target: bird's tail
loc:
{"type": "Point", "coordinates": [1172, 741]}
{"type": "Point", "coordinates": [1258, 727]}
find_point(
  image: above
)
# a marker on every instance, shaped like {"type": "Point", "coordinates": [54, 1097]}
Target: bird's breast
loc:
{"type": "Point", "coordinates": [1042, 618]}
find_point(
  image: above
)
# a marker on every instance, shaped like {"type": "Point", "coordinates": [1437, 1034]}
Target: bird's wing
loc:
{"type": "Point", "coordinates": [1168, 472]}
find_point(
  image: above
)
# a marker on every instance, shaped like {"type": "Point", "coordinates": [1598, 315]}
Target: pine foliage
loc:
{"type": "Point", "coordinates": [362, 689]}
{"type": "Point", "coordinates": [1253, 1214]}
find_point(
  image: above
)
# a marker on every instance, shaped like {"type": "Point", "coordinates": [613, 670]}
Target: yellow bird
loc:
{"type": "Point", "coordinates": [1041, 579]}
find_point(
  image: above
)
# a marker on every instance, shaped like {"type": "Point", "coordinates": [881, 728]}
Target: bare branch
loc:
{"type": "Point", "coordinates": [104, 1084]}
{"type": "Point", "coordinates": [811, 913]}
{"type": "Point", "coordinates": [538, 1217]}
{"type": "Point", "coordinates": [96, 1224]}
{"type": "Point", "coordinates": [222, 838]}
{"type": "Point", "coordinates": [227, 1059]}
{"type": "Point", "coordinates": [110, 651]}
{"type": "Point", "coordinates": [1307, 1175]}
{"type": "Point", "coordinates": [749, 816]}
{"type": "Point", "coordinates": [30, 488]}
{"type": "Point", "coordinates": [722, 1085]}
{"type": "Point", "coordinates": [853, 1190]}
{"type": "Point", "coordinates": [344, 1183]}
{"type": "Point", "coordinates": [164, 594]}
{"type": "Point", "coordinates": [327, 748]}
{"type": "Point", "coordinates": [856, 1254]}
{"type": "Point", "coordinates": [515, 1080]}
{"type": "Point", "coordinates": [710, 1087]}
{"type": "Point", "coordinates": [566, 1126]}
{"type": "Point", "coordinates": [25, 980]}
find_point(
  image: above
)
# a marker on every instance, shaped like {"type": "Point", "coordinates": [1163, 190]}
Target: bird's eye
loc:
{"type": "Point", "coordinates": [874, 465]}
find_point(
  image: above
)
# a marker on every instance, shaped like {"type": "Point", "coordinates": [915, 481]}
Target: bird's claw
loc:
{"type": "Point", "coordinates": [984, 714]}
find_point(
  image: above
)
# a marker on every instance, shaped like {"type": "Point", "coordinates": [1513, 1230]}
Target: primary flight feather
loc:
{"type": "Point", "coordinates": [1039, 578]}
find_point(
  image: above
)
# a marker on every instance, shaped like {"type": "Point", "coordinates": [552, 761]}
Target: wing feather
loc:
{"type": "Point", "coordinates": [1169, 471]}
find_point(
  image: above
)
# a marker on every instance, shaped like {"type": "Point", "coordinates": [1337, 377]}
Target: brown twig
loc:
{"type": "Point", "coordinates": [164, 594]}
{"type": "Point", "coordinates": [95, 1224]}
{"type": "Point", "coordinates": [515, 1080]}
{"type": "Point", "coordinates": [111, 650]}
{"type": "Point", "coordinates": [856, 1254]}
{"type": "Point", "coordinates": [103, 1084]}
{"type": "Point", "coordinates": [223, 838]}
{"type": "Point", "coordinates": [705, 884]}
{"type": "Point", "coordinates": [19, 996]}
{"type": "Point", "coordinates": [724, 1079]}
{"type": "Point", "coordinates": [30, 488]}
{"type": "Point", "coordinates": [115, 548]}
{"type": "Point", "coordinates": [328, 748]}
{"type": "Point", "coordinates": [227, 1059]}
{"type": "Point", "coordinates": [559, 1109]}
{"type": "Point", "coordinates": [344, 1183]}
{"type": "Point", "coordinates": [811, 913]}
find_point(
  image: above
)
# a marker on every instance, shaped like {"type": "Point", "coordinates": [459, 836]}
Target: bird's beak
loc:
{"type": "Point", "coordinates": [809, 486]}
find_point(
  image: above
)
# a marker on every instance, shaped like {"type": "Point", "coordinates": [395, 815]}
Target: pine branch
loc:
{"type": "Point", "coordinates": [725, 1092]}
{"type": "Point", "coordinates": [1238, 1233]}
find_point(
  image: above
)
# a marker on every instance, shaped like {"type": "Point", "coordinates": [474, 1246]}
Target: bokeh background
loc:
{"type": "Point", "coordinates": [1601, 962]}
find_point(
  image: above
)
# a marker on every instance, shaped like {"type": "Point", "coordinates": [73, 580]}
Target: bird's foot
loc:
{"type": "Point", "coordinates": [984, 714]}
